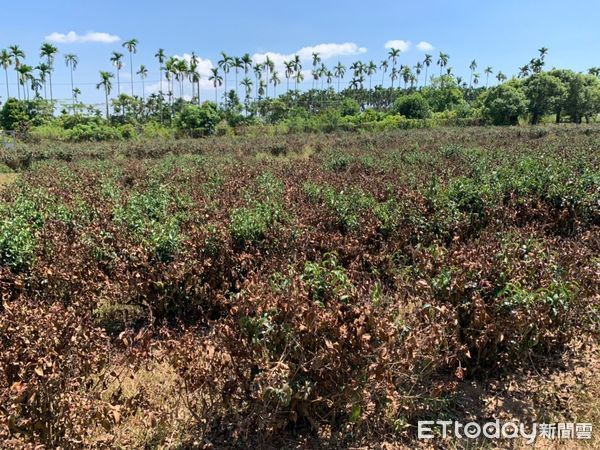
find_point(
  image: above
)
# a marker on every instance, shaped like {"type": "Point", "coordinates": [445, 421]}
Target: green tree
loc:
{"type": "Point", "coordinates": [504, 104]}
{"type": "Point", "coordinates": [17, 54]}
{"type": "Point", "coordinates": [225, 65]}
{"type": "Point", "coordinates": [339, 71]}
{"type": "Point", "coordinates": [413, 106]}
{"type": "Point", "coordinates": [44, 71]}
{"type": "Point", "coordinates": [143, 74]}
{"type": "Point", "coordinates": [117, 61]}
{"type": "Point", "coordinates": [198, 119]}
{"type": "Point", "coordinates": [49, 51]}
{"type": "Point", "coordinates": [71, 61]}
{"type": "Point", "coordinates": [393, 56]}
{"type": "Point", "coordinates": [472, 68]}
{"type": "Point", "coordinates": [582, 99]}
{"type": "Point", "coordinates": [443, 61]}
{"type": "Point", "coordinates": [217, 81]}
{"type": "Point", "coordinates": [161, 57]}
{"type": "Point", "coordinates": [6, 61]}
{"type": "Point", "coordinates": [543, 92]}
{"type": "Point", "coordinates": [106, 84]}
{"type": "Point", "coordinates": [488, 71]}
{"type": "Point", "coordinates": [14, 115]}
{"type": "Point", "coordinates": [427, 62]}
{"type": "Point", "coordinates": [131, 46]}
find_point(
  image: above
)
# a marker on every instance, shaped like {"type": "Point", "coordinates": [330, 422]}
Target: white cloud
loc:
{"type": "Point", "coordinates": [424, 46]}
{"type": "Point", "coordinates": [398, 44]}
{"type": "Point", "coordinates": [73, 38]}
{"type": "Point", "coordinates": [325, 51]}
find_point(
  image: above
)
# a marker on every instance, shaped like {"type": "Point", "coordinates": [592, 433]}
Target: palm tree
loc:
{"type": "Point", "coordinates": [406, 75]}
{"type": "Point", "coordinates": [339, 71]}
{"type": "Point", "coordinates": [524, 71]}
{"type": "Point", "coordinates": [275, 81]}
{"type": "Point", "coordinates": [289, 71]}
{"type": "Point", "coordinates": [143, 73]}
{"type": "Point", "coordinates": [393, 75]}
{"type": "Point", "coordinates": [316, 59]}
{"type": "Point", "coordinates": [181, 72]}
{"type": "Point", "coordinates": [500, 77]}
{"type": "Point", "coordinates": [160, 56]}
{"type": "Point", "coordinates": [472, 67]}
{"type": "Point", "coordinates": [488, 71]}
{"type": "Point", "coordinates": [76, 93]}
{"type": "Point", "coordinates": [418, 69]}
{"type": "Point", "coordinates": [16, 54]}
{"type": "Point", "coordinates": [261, 88]}
{"type": "Point", "coordinates": [595, 71]}
{"type": "Point", "coordinates": [217, 80]}
{"type": "Point", "coordinates": [329, 76]}
{"type": "Point", "coordinates": [106, 84]}
{"type": "Point", "coordinates": [298, 69]}
{"type": "Point", "coordinates": [237, 64]}
{"type": "Point", "coordinates": [371, 69]}
{"type": "Point", "coordinates": [131, 46]}
{"type": "Point", "coordinates": [476, 79]}
{"type": "Point", "coordinates": [24, 72]}
{"type": "Point", "coordinates": [225, 65]}
{"type": "Point", "coordinates": [6, 61]}
{"type": "Point", "coordinates": [443, 61]}
{"type": "Point", "coordinates": [117, 60]}
{"type": "Point", "coordinates": [247, 83]}
{"type": "Point", "coordinates": [44, 71]}
{"type": "Point", "coordinates": [194, 75]}
{"type": "Point", "coordinates": [269, 66]}
{"type": "Point", "coordinates": [71, 61]}
{"type": "Point", "coordinates": [36, 86]}
{"type": "Point", "coordinates": [247, 61]}
{"type": "Point", "coordinates": [49, 51]}
{"type": "Point", "coordinates": [384, 68]}
{"type": "Point", "coordinates": [543, 52]}
{"type": "Point", "coordinates": [298, 78]}
{"type": "Point", "coordinates": [427, 62]}
{"type": "Point", "coordinates": [257, 76]}
{"type": "Point", "coordinates": [393, 56]}
{"type": "Point", "coordinates": [315, 74]}
{"type": "Point", "coordinates": [169, 70]}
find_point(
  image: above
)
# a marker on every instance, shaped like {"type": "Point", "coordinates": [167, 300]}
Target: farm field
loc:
{"type": "Point", "coordinates": [298, 291]}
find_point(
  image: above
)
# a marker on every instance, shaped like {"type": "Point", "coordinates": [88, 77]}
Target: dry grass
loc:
{"type": "Point", "coordinates": [8, 178]}
{"type": "Point", "coordinates": [160, 419]}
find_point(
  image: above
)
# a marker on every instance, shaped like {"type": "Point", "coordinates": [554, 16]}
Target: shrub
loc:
{"type": "Point", "coordinates": [349, 107]}
{"type": "Point", "coordinates": [337, 162]}
{"type": "Point", "coordinates": [93, 132]}
{"type": "Point", "coordinates": [327, 280]}
{"type": "Point", "coordinates": [17, 243]}
{"type": "Point", "coordinates": [198, 120]}
{"type": "Point", "coordinates": [413, 106]}
{"type": "Point", "coordinates": [14, 115]}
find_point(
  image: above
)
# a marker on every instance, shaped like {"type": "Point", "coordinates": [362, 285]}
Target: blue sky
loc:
{"type": "Point", "coordinates": [502, 34]}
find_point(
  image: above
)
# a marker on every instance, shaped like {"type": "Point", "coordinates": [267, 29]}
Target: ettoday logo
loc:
{"type": "Point", "coordinates": [429, 429]}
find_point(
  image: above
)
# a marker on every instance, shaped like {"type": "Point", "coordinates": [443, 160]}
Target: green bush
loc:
{"type": "Point", "coordinates": [504, 104]}
{"type": "Point", "coordinates": [327, 280]}
{"type": "Point", "coordinates": [350, 107]}
{"type": "Point", "coordinates": [17, 243]}
{"type": "Point", "coordinates": [413, 106]}
{"type": "Point", "coordinates": [93, 132]}
{"type": "Point", "coordinates": [14, 115]}
{"type": "Point", "coordinates": [200, 120]}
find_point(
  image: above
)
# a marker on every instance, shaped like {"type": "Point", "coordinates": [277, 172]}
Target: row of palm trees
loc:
{"type": "Point", "coordinates": [177, 71]}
